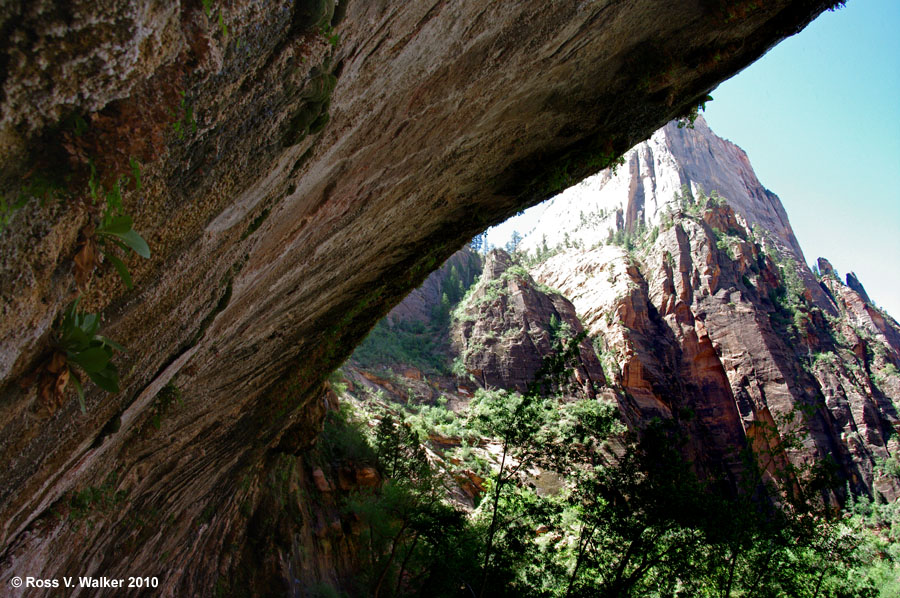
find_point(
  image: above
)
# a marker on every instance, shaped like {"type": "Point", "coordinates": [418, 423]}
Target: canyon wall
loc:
{"type": "Point", "coordinates": [711, 316]}
{"type": "Point", "coordinates": [295, 168]}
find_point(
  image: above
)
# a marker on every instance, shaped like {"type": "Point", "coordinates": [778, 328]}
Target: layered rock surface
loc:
{"type": "Point", "coordinates": [677, 162]}
{"type": "Point", "coordinates": [717, 323]}
{"type": "Point", "coordinates": [296, 185]}
{"type": "Point", "coordinates": [649, 183]}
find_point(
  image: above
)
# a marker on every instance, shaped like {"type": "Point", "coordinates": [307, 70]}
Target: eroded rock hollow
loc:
{"type": "Point", "coordinates": [295, 168]}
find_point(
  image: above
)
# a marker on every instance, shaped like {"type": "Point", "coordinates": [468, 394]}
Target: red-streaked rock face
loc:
{"type": "Point", "coordinates": [711, 324]}
{"type": "Point", "coordinates": [646, 189]}
{"type": "Point", "coordinates": [279, 234]}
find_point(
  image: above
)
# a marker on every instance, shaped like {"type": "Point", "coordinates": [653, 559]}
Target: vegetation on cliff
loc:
{"type": "Point", "coordinates": [542, 493]}
{"type": "Point", "coordinates": [633, 520]}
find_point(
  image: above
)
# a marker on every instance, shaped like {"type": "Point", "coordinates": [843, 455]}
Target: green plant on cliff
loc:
{"type": "Point", "coordinates": [88, 351]}
{"type": "Point", "coordinates": [96, 499]}
{"type": "Point", "coordinates": [185, 122]}
{"type": "Point", "coordinates": [688, 119]}
{"type": "Point", "coordinates": [39, 186]}
{"type": "Point", "coordinates": [115, 228]}
{"type": "Point", "coordinates": [167, 398]}
{"type": "Point", "coordinates": [327, 31]}
{"type": "Point", "coordinates": [637, 240]}
{"type": "Point", "coordinates": [792, 307]}
{"type": "Point", "coordinates": [119, 231]}
{"type": "Point", "coordinates": [7, 207]}
{"type": "Point", "coordinates": [726, 243]}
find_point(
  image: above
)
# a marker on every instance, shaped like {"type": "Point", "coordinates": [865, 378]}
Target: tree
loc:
{"type": "Point", "coordinates": [414, 539]}
{"type": "Point", "coordinates": [517, 420]}
{"type": "Point", "coordinates": [514, 240]}
{"type": "Point", "coordinates": [479, 242]}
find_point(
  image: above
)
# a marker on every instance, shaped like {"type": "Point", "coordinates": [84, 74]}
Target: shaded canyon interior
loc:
{"type": "Point", "coordinates": [296, 168]}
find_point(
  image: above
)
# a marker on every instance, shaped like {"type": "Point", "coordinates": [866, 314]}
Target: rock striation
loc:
{"type": "Point", "coordinates": [302, 165]}
{"type": "Point", "coordinates": [712, 319]}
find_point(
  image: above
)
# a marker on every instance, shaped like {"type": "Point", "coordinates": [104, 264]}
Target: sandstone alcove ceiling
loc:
{"type": "Point", "coordinates": [302, 166]}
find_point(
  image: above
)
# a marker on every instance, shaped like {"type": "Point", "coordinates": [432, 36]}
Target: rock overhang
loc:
{"type": "Point", "coordinates": [277, 242]}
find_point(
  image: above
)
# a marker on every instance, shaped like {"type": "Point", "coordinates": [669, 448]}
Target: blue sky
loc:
{"type": "Point", "coordinates": [819, 117]}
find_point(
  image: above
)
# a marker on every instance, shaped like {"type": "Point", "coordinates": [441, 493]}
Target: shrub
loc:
{"type": "Point", "coordinates": [344, 439]}
{"type": "Point", "coordinates": [78, 347]}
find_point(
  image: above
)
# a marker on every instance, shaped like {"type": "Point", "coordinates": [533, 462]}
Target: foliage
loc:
{"type": "Point", "coordinates": [512, 247]}
{"type": "Point", "coordinates": [95, 499]}
{"type": "Point", "coordinates": [437, 418]}
{"type": "Point", "coordinates": [789, 298]}
{"type": "Point", "coordinates": [639, 239]}
{"type": "Point", "coordinates": [888, 371]}
{"type": "Point", "coordinates": [184, 117]}
{"type": "Point", "coordinates": [120, 232]}
{"type": "Point", "coordinates": [519, 422]}
{"type": "Point", "coordinates": [637, 521]}
{"type": "Point", "coordinates": [644, 524]}
{"type": "Point", "coordinates": [637, 524]}
{"type": "Point", "coordinates": [558, 177]}
{"type": "Point", "coordinates": [167, 398]}
{"type": "Point", "coordinates": [416, 342]}
{"type": "Point", "coordinates": [39, 186]}
{"type": "Point", "coordinates": [7, 207]}
{"type": "Point", "coordinates": [479, 243]}
{"type": "Point", "coordinates": [688, 119]}
{"type": "Point", "coordinates": [327, 31]}
{"type": "Point", "coordinates": [115, 228]}
{"type": "Point", "coordinates": [876, 528]}
{"type": "Point", "coordinates": [406, 342]}
{"type": "Point", "coordinates": [453, 288]}
{"type": "Point", "coordinates": [77, 345]}
{"type": "Point", "coordinates": [344, 439]}
{"type": "Point", "coordinates": [413, 540]}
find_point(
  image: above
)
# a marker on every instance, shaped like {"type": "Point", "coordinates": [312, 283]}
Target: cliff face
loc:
{"type": "Point", "coordinates": [295, 168]}
{"type": "Point", "coordinates": [452, 279]}
{"type": "Point", "coordinates": [638, 192]}
{"type": "Point", "coordinates": [506, 326]}
{"type": "Point", "coordinates": [701, 319]}
{"type": "Point", "coordinates": [711, 318]}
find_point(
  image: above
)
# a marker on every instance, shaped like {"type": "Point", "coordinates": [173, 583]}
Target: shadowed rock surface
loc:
{"type": "Point", "coordinates": [295, 186]}
{"type": "Point", "coordinates": [506, 326]}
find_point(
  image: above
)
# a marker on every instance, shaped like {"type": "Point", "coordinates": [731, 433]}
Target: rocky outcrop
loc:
{"type": "Point", "coordinates": [677, 159]}
{"type": "Point", "coordinates": [677, 164]}
{"type": "Point", "coordinates": [712, 326]}
{"type": "Point", "coordinates": [708, 307]}
{"type": "Point", "coordinates": [303, 165]}
{"type": "Point", "coordinates": [825, 267]}
{"type": "Point", "coordinates": [853, 283]}
{"type": "Point", "coordinates": [506, 326]}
